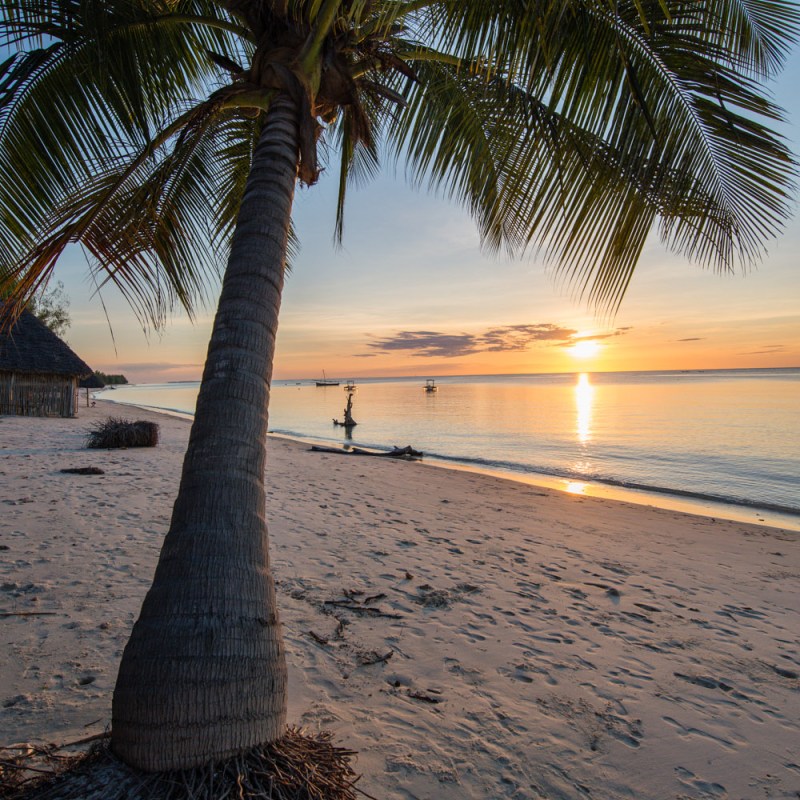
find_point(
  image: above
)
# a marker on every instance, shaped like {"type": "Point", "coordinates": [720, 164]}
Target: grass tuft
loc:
{"type": "Point", "coordinates": [113, 432]}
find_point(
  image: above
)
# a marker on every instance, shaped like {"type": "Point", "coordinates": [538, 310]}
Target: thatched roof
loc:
{"type": "Point", "coordinates": [31, 347]}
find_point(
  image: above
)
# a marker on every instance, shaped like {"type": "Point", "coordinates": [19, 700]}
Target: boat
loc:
{"type": "Point", "coordinates": [430, 385]}
{"type": "Point", "coordinates": [326, 382]}
{"type": "Point", "coordinates": [350, 386]}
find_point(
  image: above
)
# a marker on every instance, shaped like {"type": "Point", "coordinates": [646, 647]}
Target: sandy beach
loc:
{"type": "Point", "coordinates": [470, 637]}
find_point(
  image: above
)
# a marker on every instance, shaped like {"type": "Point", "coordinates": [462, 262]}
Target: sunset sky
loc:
{"type": "Point", "coordinates": [412, 294]}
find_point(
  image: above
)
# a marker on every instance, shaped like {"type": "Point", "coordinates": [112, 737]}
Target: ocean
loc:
{"type": "Point", "coordinates": [723, 442]}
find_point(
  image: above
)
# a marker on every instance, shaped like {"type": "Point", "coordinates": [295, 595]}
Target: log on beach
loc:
{"type": "Point", "coordinates": [407, 453]}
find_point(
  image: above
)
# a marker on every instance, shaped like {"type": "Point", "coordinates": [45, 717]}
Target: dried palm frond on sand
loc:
{"type": "Point", "coordinates": [113, 432]}
{"type": "Point", "coordinates": [297, 767]}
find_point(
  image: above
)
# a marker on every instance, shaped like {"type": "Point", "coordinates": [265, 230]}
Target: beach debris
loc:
{"type": "Point", "coordinates": [407, 453]}
{"type": "Point", "coordinates": [426, 698]}
{"type": "Point", "coordinates": [348, 421]}
{"type": "Point", "coordinates": [83, 470]}
{"type": "Point", "coordinates": [323, 640]}
{"type": "Point", "coordinates": [25, 766]}
{"type": "Point", "coordinates": [361, 609]}
{"type": "Point", "coordinates": [429, 597]}
{"type": "Point", "coordinates": [298, 766]}
{"type": "Point", "coordinates": [116, 432]}
{"type": "Point", "coordinates": [433, 598]}
{"type": "Point", "coordinates": [367, 659]}
{"type": "Point", "coordinates": [353, 602]}
{"type": "Point", "coordinates": [28, 613]}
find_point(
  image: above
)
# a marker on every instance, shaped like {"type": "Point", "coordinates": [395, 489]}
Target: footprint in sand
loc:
{"type": "Point", "coordinates": [707, 789]}
{"type": "Point", "coordinates": [692, 732]}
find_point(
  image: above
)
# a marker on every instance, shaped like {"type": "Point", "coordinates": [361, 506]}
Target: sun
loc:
{"type": "Point", "coordinates": [586, 348]}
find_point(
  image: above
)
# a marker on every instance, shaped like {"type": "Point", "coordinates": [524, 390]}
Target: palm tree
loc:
{"type": "Point", "coordinates": [163, 135]}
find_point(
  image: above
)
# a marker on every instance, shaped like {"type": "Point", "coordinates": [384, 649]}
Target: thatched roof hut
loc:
{"type": "Point", "coordinates": [39, 373]}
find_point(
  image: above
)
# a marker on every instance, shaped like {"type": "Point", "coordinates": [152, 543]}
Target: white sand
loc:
{"type": "Point", "coordinates": [574, 647]}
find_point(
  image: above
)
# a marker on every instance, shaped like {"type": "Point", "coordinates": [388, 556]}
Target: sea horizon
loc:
{"type": "Point", "coordinates": [462, 376]}
{"type": "Point", "coordinates": [671, 438]}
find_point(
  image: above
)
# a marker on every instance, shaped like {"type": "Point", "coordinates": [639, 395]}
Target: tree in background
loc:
{"type": "Point", "coordinates": [168, 137]}
{"type": "Point", "coordinates": [51, 306]}
{"type": "Point", "coordinates": [111, 380]}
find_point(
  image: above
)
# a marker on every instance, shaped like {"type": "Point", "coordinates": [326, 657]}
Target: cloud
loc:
{"type": "Point", "coordinates": [519, 337]}
{"type": "Point", "coordinates": [692, 339]}
{"type": "Point", "coordinates": [428, 344]}
{"type": "Point", "coordinates": [508, 338]}
{"type": "Point", "coordinates": [596, 337]}
{"type": "Point", "coordinates": [767, 350]}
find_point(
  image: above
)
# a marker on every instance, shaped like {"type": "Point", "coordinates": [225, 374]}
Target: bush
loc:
{"type": "Point", "coordinates": [122, 433]}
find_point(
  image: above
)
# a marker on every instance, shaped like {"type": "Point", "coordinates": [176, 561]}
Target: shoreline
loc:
{"type": "Point", "coordinates": [665, 498]}
{"type": "Point", "coordinates": [522, 643]}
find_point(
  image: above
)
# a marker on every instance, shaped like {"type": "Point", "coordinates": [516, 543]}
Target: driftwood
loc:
{"type": "Point", "coordinates": [406, 453]}
{"type": "Point", "coordinates": [28, 613]}
{"type": "Point", "coordinates": [349, 422]}
{"type": "Point", "coordinates": [83, 470]}
{"type": "Point", "coordinates": [368, 610]}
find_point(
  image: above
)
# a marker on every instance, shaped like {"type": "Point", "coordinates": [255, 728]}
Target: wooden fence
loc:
{"type": "Point", "coordinates": [30, 395]}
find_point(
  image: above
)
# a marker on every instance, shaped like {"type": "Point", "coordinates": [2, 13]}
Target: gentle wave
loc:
{"type": "Point", "coordinates": [608, 481]}
{"type": "Point", "coordinates": [527, 470]}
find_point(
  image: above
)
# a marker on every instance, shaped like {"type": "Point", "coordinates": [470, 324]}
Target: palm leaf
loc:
{"type": "Point", "coordinates": [60, 130]}
{"type": "Point", "coordinates": [668, 112]}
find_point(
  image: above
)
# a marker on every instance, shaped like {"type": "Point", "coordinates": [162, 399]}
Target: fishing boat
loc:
{"type": "Point", "coordinates": [326, 382]}
{"type": "Point", "coordinates": [350, 386]}
{"type": "Point", "coordinates": [430, 385]}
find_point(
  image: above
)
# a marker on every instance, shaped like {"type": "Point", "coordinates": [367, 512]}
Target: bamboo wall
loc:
{"type": "Point", "coordinates": [30, 395]}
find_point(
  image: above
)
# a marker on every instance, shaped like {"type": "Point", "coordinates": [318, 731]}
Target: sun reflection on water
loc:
{"type": "Point", "coordinates": [584, 397]}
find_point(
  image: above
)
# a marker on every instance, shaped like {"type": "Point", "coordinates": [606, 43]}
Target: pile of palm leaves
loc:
{"type": "Point", "coordinates": [122, 433]}
{"type": "Point", "coordinates": [297, 767]}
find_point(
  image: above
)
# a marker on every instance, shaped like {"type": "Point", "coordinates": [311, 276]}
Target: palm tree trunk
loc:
{"type": "Point", "coordinates": [203, 675]}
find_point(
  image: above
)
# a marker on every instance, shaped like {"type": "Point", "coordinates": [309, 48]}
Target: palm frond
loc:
{"type": "Point", "coordinates": [355, 136]}
{"type": "Point", "coordinates": [568, 126]}
{"type": "Point", "coordinates": [82, 110]}
{"type": "Point", "coordinates": [665, 105]}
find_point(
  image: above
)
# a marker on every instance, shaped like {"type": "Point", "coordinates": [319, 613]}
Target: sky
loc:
{"type": "Point", "coordinates": [411, 293]}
